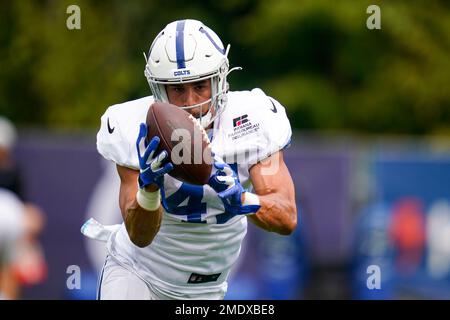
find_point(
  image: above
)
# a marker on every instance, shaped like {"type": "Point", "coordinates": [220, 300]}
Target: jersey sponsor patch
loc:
{"type": "Point", "coordinates": [242, 126]}
{"type": "Point", "coordinates": [240, 120]}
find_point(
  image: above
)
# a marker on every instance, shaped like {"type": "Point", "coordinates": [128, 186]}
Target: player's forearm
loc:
{"type": "Point", "coordinates": [142, 225]}
{"type": "Point", "coordinates": [140, 208]}
{"type": "Point", "coordinates": [142, 216]}
{"type": "Point", "coordinates": [276, 214]}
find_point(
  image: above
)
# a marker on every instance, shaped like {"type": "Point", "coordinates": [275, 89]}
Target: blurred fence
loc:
{"type": "Point", "coordinates": [360, 204]}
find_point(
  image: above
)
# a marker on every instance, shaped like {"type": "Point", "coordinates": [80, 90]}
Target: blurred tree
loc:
{"type": "Point", "coordinates": [315, 56]}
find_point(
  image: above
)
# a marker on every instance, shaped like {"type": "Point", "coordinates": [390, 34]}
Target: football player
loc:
{"type": "Point", "coordinates": [20, 223]}
{"type": "Point", "coordinates": [11, 229]}
{"type": "Point", "coordinates": [179, 241]}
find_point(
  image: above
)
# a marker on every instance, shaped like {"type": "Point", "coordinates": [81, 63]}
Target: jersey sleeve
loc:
{"type": "Point", "coordinates": [274, 131]}
{"type": "Point", "coordinates": [115, 139]}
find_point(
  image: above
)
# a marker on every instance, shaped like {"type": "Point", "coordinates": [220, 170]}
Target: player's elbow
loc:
{"type": "Point", "coordinates": [139, 238]}
{"type": "Point", "coordinates": [140, 242]}
{"type": "Point", "coordinates": [290, 224]}
{"type": "Point", "coordinates": [288, 228]}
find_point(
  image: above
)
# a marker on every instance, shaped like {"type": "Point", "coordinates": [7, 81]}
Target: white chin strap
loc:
{"type": "Point", "coordinates": [206, 119]}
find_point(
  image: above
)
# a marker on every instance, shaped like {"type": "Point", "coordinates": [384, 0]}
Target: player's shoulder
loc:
{"type": "Point", "coordinates": [119, 128]}
{"type": "Point", "coordinates": [254, 96]}
{"type": "Point", "coordinates": [129, 108]}
{"type": "Point", "coordinates": [253, 123]}
{"type": "Point", "coordinates": [256, 104]}
{"type": "Point", "coordinates": [126, 115]}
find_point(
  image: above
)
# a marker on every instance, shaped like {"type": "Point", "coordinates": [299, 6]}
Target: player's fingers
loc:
{"type": "Point", "coordinates": [152, 146]}
{"type": "Point", "coordinates": [140, 142]}
{"type": "Point", "coordinates": [153, 143]}
{"type": "Point", "coordinates": [142, 130]}
{"type": "Point", "coordinates": [219, 165]}
{"type": "Point", "coordinates": [158, 161]}
{"type": "Point", "coordinates": [226, 179]}
{"type": "Point", "coordinates": [167, 168]}
{"type": "Point", "coordinates": [229, 192]}
{"type": "Point", "coordinates": [228, 171]}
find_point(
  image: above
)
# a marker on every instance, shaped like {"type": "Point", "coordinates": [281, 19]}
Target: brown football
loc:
{"type": "Point", "coordinates": [184, 139]}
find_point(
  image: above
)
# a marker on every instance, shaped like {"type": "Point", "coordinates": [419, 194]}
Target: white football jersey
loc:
{"type": "Point", "coordinates": [198, 242]}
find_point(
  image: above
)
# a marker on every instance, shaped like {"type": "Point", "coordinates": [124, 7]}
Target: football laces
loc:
{"type": "Point", "coordinates": [202, 130]}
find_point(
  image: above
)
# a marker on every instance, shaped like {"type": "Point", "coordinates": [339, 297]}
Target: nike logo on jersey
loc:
{"type": "Point", "coordinates": [110, 130]}
{"type": "Point", "coordinates": [274, 110]}
{"type": "Point", "coordinates": [202, 278]}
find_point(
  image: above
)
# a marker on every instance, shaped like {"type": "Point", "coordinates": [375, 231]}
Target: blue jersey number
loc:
{"type": "Point", "coordinates": [194, 207]}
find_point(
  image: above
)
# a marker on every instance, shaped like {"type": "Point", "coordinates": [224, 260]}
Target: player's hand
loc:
{"type": "Point", "coordinates": [152, 169]}
{"type": "Point", "coordinates": [226, 183]}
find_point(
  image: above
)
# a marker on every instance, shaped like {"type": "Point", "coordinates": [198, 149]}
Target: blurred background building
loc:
{"type": "Point", "coordinates": [370, 156]}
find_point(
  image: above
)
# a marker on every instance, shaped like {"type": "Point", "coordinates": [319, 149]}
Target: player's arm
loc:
{"type": "Point", "coordinates": [142, 224]}
{"type": "Point", "coordinates": [140, 199]}
{"type": "Point", "coordinates": [9, 284]}
{"type": "Point", "coordinates": [274, 187]}
{"type": "Point", "coordinates": [272, 207]}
